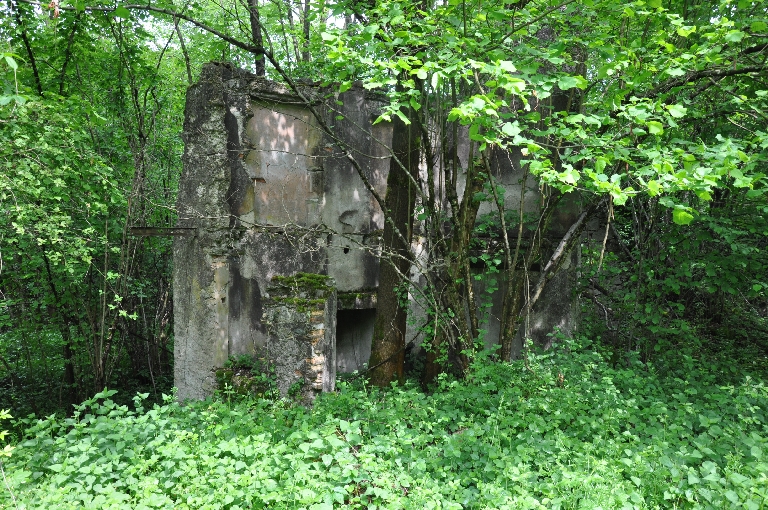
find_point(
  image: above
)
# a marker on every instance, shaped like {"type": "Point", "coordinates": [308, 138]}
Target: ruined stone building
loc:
{"type": "Point", "coordinates": [264, 194]}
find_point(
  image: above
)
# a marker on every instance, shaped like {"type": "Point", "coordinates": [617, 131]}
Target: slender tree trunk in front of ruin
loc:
{"type": "Point", "coordinates": [388, 347]}
{"type": "Point", "coordinates": [258, 38]}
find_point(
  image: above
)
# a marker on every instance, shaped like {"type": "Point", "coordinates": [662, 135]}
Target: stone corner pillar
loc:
{"type": "Point", "coordinates": [300, 316]}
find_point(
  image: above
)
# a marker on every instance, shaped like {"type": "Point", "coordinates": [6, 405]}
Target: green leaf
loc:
{"type": "Point", "coordinates": [619, 197]}
{"type": "Point", "coordinates": [735, 36]}
{"type": "Point", "coordinates": [11, 62]}
{"type": "Point", "coordinates": [369, 31]}
{"type": "Point", "coordinates": [600, 164]}
{"type": "Point", "coordinates": [655, 128]}
{"type": "Point", "coordinates": [474, 133]}
{"type": "Point", "coordinates": [404, 64]}
{"type": "Point", "coordinates": [507, 66]}
{"type": "Point", "coordinates": [122, 12]}
{"type": "Point", "coordinates": [654, 4]}
{"type": "Point", "coordinates": [511, 129]}
{"type": "Point", "coordinates": [681, 216]}
{"type": "Point", "coordinates": [677, 111]}
{"type": "Point", "coordinates": [515, 85]}
{"type": "Point", "coordinates": [654, 188]}
{"type": "Point", "coordinates": [402, 117]}
{"type": "Point", "coordinates": [569, 82]}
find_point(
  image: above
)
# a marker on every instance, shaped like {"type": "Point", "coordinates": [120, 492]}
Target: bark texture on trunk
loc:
{"type": "Point", "coordinates": [258, 38]}
{"type": "Point", "coordinates": [388, 346]}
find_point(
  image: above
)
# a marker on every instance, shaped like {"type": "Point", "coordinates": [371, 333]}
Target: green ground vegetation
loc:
{"type": "Point", "coordinates": [564, 429]}
{"type": "Point", "coordinates": [650, 113]}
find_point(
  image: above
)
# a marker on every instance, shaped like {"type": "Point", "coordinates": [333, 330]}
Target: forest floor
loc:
{"type": "Point", "coordinates": [563, 429]}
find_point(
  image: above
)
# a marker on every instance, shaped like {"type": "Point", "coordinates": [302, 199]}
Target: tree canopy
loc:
{"type": "Point", "coordinates": [651, 115]}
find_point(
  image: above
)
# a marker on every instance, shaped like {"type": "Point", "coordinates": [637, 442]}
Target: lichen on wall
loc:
{"type": "Point", "coordinates": [300, 315]}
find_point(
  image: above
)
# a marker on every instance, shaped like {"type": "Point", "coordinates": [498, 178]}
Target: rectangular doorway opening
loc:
{"type": "Point", "coordinates": [354, 332]}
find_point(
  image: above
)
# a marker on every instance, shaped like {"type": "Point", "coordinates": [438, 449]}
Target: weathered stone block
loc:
{"type": "Point", "coordinates": [263, 186]}
{"type": "Point", "coordinates": [300, 317]}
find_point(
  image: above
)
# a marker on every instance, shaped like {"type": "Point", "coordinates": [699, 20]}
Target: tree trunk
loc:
{"type": "Point", "coordinates": [258, 38]}
{"type": "Point", "coordinates": [16, 8]}
{"type": "Point", "coordinates": [457, 328]}
{"type": "Point", "coordinates": [305, 27]}
{"type": "Point", "coordinates": [65, 322]}
{"type": "Point", "coordinates": [388, 346]}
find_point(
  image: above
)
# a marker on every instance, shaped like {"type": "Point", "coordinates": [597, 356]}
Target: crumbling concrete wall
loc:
{"type": "Point", "coordinates": [268, 194]}
{"type": "Point", "coordinates": [300, 316]}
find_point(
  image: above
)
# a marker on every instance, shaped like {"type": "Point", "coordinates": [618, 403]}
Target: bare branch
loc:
{"type": "Point", "coordinates": [563, 249]}
{"type": "Point", "coordinates": [704, 73]}
{"type": "Point", "coordinates": [224, 37]}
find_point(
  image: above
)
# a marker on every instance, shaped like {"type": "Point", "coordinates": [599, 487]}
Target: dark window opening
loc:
{"type": "Point", "coordinates": [354, 332]}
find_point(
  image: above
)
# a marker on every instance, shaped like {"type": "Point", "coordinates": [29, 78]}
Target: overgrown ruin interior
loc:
{"type": "Point", "coordinates": [264, 194]}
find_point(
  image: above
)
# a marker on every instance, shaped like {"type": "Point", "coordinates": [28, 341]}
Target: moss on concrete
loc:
{"type": "Point", "coordinates": [304, 291]}
{"type": "Point", "coordinates": [349, 300]}
{"type": "Point", "coordinates": [247, 376]}
{"type": "Point", "coordinates": [305, 282]}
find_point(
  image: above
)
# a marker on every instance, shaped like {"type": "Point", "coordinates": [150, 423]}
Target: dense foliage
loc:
{"type": "Point", "coordinates": [648, 116]}
{"type": "Point", "coordinates": [658, 106]}
{"type": "Point", "coordinates": [88, 148]}
{"type": "Point", "coordinates": [565, 429]}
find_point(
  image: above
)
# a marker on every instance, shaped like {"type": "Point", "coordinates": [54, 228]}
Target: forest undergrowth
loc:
{"type": "Point", "coordinates": [568, 428]}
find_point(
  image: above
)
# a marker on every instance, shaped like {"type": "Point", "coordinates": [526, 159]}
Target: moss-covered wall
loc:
{"type": "Point", "coordinates": [300, 316]}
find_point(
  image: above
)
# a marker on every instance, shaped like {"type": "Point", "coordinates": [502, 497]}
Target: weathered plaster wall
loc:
{"type": "Point", "coordinates": [270, 195]}
{"type": "Point", "coordinates": [265, 189]}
